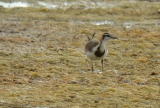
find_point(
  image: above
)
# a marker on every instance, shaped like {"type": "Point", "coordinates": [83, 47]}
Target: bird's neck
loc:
{"type": "Point", "coordinates": [102, 45]}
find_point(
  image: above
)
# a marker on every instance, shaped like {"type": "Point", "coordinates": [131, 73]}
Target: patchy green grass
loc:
{"type": "Point", "coordinates": [133, 11]}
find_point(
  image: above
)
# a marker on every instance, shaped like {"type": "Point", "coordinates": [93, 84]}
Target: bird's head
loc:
{"type": "Point", "coordinates": [107, 36]}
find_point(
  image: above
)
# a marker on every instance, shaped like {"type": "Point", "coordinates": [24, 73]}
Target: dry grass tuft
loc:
{"type": "Point", "coordinates": [43, 64]}
{"type": "Point", "coordinates": [15, 39]}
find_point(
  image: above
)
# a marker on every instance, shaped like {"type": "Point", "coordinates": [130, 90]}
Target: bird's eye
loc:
{"type": "Point", "coordinates": [108, 35]}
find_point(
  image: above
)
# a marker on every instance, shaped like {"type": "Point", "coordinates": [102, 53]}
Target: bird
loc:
{"type": "Point", "coordinates": [96, 49]}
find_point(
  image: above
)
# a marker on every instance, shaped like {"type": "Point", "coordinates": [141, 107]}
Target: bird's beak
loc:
{"type": "Point", "coordinates": [113, 37]}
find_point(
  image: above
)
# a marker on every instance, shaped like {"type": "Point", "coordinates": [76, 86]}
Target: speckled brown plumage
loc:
{"type": "Point", "coordinates": [91, 44]}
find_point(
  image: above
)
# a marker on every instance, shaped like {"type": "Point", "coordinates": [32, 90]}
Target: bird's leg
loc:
{"type": "Point", "coordinates": [92, 66]}
{"type": "Point", "coordinates": [102, 64]}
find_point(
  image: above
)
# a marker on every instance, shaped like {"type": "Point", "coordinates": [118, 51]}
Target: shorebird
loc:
{"type": "Point", "coordinates": [96, 49]}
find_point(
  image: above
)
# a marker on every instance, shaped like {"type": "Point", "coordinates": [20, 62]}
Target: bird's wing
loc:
{"type": "Point", "coordinates": [91, 45]}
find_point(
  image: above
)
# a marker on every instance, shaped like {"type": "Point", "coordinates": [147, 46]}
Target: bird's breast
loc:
{"type": "Point", "coordinates": [99, 53]}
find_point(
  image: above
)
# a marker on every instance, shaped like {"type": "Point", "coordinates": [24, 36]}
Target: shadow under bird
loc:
{"type": "Point", "coordinates": [96, 49]}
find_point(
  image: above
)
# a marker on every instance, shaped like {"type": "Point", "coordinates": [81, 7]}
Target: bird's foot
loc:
{"type": "Point", "coordinates": [98, 71]}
